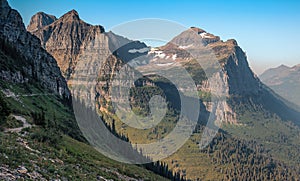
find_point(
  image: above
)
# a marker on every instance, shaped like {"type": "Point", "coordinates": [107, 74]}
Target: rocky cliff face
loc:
{"type": "Point", "coordinates": [67, 39]}
{"type": "Point", "coordinates": [35, 64]}
{"type": "Point", "coordinates": [83, 50]}
{"type": "Point", "coordinates": [237, 75]}
{"type": "Point", "coordinates": [64, 39]}
{"type": "Point", "coordinates": [40, 20]}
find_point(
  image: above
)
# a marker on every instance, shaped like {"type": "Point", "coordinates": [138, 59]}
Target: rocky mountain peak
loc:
{"type": "Point", "coordinates": [198, 30]}
{"type": "Point", "coordinates": [10, 15]}
{"type": "Point", "coordinates": [39, 20]}
{"type": "Point", "coordinates": [195, 36]}
{"type": "Point", "coordinates": [233, 42]}
{"type": "Point", "coordinates": [70, 16]}
{"type": "Point", "coordinates": [65, 39]}
{"type": "Point", "coordinates": [282, 66]}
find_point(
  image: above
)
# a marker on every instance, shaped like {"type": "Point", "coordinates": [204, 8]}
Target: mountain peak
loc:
{"type": "Point", "coordinates": [71, 15]}
{"type": "Point", "coordinates": [71, 34]}
{"type": "Point", "coordinates": [194, 36]}
{"type": "Point", "coordinates": [283, 66]}
{"type": "Point", "coordinates": [73, 12]}
{"type": "Point", "coordinates": [44, 14]}
{"type": "Point", "coordinates": [198, 30]}
{"type": "Point", "coordinates": [39, 20]}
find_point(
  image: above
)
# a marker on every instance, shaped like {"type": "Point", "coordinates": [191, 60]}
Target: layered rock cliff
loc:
{"type": "Point", "coordinates": [63, 39]}
{"type": "Point", "coordinates": [83, 50]}
{"type": "Point", "coordinates": [67, 39]}
{"type": "Point", "coordinates": [34, 63]}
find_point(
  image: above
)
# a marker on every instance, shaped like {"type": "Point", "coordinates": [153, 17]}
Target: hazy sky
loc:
{"type": "Point", "coordinates": [268, 31]}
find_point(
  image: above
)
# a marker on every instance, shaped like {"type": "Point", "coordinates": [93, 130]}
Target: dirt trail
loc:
{"type": "Point", "coordinates": [17, 130]}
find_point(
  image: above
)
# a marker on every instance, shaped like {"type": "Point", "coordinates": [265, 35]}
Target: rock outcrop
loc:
{"type": "Point", "coordinates": [85, 51]}
{"type": "Point", "coordinates": [40, 20]}
{"type": "Point", "coordinates": [64, 39]}
{"type": "Point", "coordinates": [67, 38]}
{"type": "Point", "coordinates": [34, 63]}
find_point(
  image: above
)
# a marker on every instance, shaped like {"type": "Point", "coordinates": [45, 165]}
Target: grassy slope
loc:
{"type": "Point", "coordinates": [70, 159]}
{"type": "Point", "coordinates": [76, 160]}
{"type": "Point", "coordinates": [70, 151]}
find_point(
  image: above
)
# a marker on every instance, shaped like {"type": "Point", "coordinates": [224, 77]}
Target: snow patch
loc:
{"type": "Point", "coordinates": [153, 50]}
{"type": "Point", "coordinates": [161, 55]}
{"type": "Point", "coordinates": [142, 50]}
{"type": "Point", "coordinates": [174, 56]}
{"type": "Point", "coordinates": [155, 59]}
{"type": "Point", "coordinates": [185, 47]}
{"type": "Point", "coordinates": [164, 64]}
{"type": "Point", "coordinates": [205, 35]}
{"type": "Point", "coordinates": [158, 53]}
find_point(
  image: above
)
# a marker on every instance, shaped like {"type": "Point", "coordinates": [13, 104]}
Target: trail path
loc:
{"type": "Point", "coordinates": [17, 130]}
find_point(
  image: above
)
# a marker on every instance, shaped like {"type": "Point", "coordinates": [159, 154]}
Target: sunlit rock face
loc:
{"type": "Point", "coordinates": [39, 20]}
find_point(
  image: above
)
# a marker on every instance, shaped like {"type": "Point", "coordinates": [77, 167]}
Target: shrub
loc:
{"type": "Point", "coordinates": [50, 135]}
{"type": "Point", "coordinates": [4, 110]}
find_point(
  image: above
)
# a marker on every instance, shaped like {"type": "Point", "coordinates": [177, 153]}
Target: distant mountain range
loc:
{"type": "Point", "coordinates": [258, 139]}
{"type": "Point", "coordinates": [284, 81]}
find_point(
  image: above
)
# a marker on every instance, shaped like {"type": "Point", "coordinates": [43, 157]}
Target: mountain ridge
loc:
{"type": "Point", "coordinates": [249, 107]}
{"type": "Point", "coordinates": [284, 80]}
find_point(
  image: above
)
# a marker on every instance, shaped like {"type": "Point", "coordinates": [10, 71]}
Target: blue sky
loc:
{"type": "Point", "coordinates": [269, 31]}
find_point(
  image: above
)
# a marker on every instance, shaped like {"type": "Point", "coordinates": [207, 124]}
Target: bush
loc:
{"type": "Point", "coordinates": [4, 110]}
{"type": "Point", "coordinates": [39, 118]}
{"type": "Point", "coordinates": [12, 122]}
{"type": "Point", "coordinates": [51, 136]}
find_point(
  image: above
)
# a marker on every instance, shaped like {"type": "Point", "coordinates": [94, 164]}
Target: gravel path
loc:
{"type": "Point", "coordinates": [17, 130]}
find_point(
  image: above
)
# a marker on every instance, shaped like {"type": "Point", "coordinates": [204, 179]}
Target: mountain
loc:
{"type": "Point", "coordinates": [247, 114]}
{"type": "Point", "coordinates": [259, 137]}
{"type": "Point", "coordinates": [76, 44]}
{"type": "Point", "coordinates": [238, 80]}
{"type": "Point", "coordinates": [64, 47]}
{"type": "Point", "coordinates": [284, 81]}
{"type": "Point", "coordinates": [35, 62]}
{"type": "Point", "coordinates": [40, 20]}
{"type": "Point", "coordinates": [40, 139]}
{"type": "Point", "coordinates": [69, 37]}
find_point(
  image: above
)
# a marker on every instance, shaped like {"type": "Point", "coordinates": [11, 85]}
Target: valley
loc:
{"type": "Point", "coordinates": [65, 113]}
